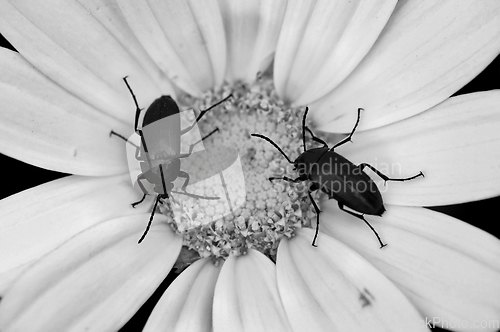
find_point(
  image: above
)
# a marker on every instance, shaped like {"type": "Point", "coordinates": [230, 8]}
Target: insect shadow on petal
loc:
{"type": "Point", "coordinates": [341, 182]}
{"type": "Point", "coordinates": [160, 150]}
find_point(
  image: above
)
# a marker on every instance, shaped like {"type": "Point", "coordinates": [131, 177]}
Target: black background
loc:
{"type": "Point", "coordinates": [19, 176]}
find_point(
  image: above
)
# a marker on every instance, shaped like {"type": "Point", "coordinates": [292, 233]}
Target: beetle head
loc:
{"type": "Point", "coordinates": [301, 168]}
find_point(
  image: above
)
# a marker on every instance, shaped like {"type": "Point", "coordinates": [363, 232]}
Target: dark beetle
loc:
{"type": "Point", "coordinates": [159, 152]}
{"type": "Point", "coordinates": [339, 178]}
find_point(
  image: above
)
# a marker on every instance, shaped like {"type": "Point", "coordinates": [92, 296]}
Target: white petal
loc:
{"type": "Point", "coordinates": [246, 296]}
{"type": "Point", "coordinates": [185, 38]}
{"type": "Point", "coordinates": [447, 268]}
{"type": "Point", "coordinates": [94, 282]}
{"type": "Point", "coordinates": [64, 42]}
{"type": "Point", "coordinates": [454, 144]}
{"type": "Point", "coordinates": [38, 220]}
{"type": "Point", "coordinates": [187, 303]}
{"type": "Point", "coordinates": [44, 125]}
{"type": "Point", "coordinates": [321, 42]}
{"type": "Point", "coordinates": [332, 288]}
{"type": "Point", "coordinates": [427, 51]}
{"type": "Point", "coordinates": [109, 15]}
{"type": "Point", "coordinates": [252, 30]}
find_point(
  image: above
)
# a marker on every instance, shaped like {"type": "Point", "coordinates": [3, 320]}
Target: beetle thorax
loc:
{"type": "Point", "coordinates": [306, 163]}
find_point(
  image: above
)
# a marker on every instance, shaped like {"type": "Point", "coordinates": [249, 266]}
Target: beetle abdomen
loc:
{"type": "Point", "coordinates": [361, 196]}
{"type": "Point", "coordinates": [340, 179]}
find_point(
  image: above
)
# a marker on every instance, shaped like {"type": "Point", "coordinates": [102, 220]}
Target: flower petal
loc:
{"type": "Point", "coordinates": [455, 145]}
{"type": "Point", "coordinates": [64, 42]}
{"type": "Point", "coordinates": [93, 282]}
{"type": "Point", "coordinates": [37, 220]}
{"type": "Point", "coordinates": [246, 296]}
{"type": "Point", "coordinates": [427, 51]}
{"type": "Point", "coordinates": [252, 30]}
{"type": "Point", "coordinates": [185, 38]}
{"type": "Point", "coordinates": [331, 288]}
{"type": "Point", "coordinates": [42, 124]}
{"type": "Point", "coordinates": [447, 268]}
{"type": "Point", "coordinates": [109, 15]}
{"type": "Point", "coordinates": [187, 303]}
{"type": "Point", "coordinates": [321, 42]}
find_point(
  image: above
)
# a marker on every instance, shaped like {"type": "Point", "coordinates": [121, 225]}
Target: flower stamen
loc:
{"type": "Point", "coordinates": [270, 210]}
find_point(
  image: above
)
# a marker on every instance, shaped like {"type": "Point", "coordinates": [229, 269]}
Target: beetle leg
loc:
{"type": "Point", "coordinates": [348, 138]}
{"type": "Point", "coordinates": [286, 179]}
{"type": "Point", "coordinates": [202, 139]}
{"type": "Point", "coordinates": [318, 211]}
{"type": "Point", "coordinates": [122, 137]}
{"type": "Point", "coordinates": [144, 191]}
{"type": "Point", "coordinates": [140, 201]}
{"type": "Point", "coordinates": [202, 113]}
{"type": "Point", "coordinates": [209, 134]}
{"type": "Point", "coordinates": [360, 216]}
{"type": "Point", "coordinates": [150, 219]}
{"type": "Point", "coordinates": [185, 175]}
{"type": "Point", "coordinates": [191, 147]}
{"type": "Point", "coordinates": [193, 195]}
{"type": "Point", "coordinates": [385, 177]}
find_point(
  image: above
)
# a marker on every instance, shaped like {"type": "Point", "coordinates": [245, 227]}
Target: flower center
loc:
{"type": "Point", "coordinates": [266, 211]}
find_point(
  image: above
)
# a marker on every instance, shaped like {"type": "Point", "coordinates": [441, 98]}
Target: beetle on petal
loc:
{"type": "Point", "coordinates": [160, 150]}
{"type": "Point", "coordinates": [344, 181]}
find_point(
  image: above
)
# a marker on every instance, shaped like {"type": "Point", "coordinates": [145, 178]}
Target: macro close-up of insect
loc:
{"type": "Point", "coordinates": [159, 152]}
{"type": "Point", "coordinates": [228, 165]}
{"type": "Point", "coordinates": [337, 177]}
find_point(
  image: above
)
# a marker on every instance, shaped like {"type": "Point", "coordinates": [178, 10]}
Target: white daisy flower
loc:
{"type": "Point", "coordinates": [69, 258]}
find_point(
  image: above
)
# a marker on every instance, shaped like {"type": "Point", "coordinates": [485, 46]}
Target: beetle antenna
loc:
{"type": "Point", "coordinates": [348, 138]}
{"type": "Point", "coordinates": [137, 108]}
{"type": "Point", "coordinates": [131, 92]}
{"type": "Point", "coordinates": [304, 128]}
{"type": "Point", "coordinates": [146, 231]}
{"type": "Point", "coordinates": [274, 144]}
{"type": "Point", "coordinates": [122, 137]}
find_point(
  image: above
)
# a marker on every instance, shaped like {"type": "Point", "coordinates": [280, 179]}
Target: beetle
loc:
{"type": "Point", "coordinates": [345, 182]}
{"type": "Point", "coordinates": [160, 157]}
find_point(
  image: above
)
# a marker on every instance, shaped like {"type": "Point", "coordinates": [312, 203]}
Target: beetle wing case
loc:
{"type": "Point", "coordinates": [347, 183]}
{"type": "Point", "coordinates": [162, 138]}
{"type": "Point", "coordinates": [161, 128]}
